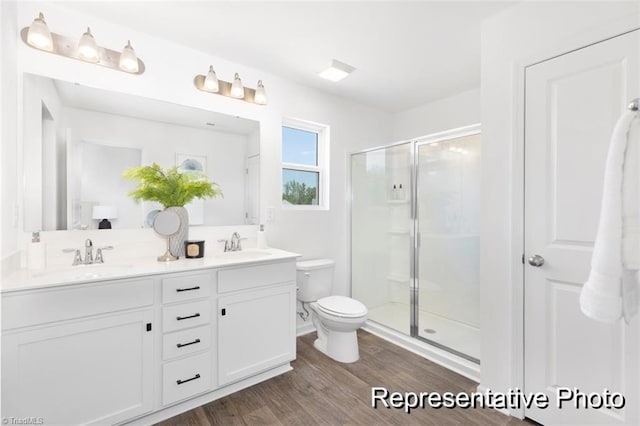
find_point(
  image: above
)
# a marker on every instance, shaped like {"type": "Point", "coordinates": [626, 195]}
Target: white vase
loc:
{"type": "Point", "coordinates": [176, 242]}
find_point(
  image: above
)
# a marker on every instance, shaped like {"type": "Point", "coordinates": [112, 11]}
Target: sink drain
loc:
{"type": "Point", "coordinates": [429, 331]}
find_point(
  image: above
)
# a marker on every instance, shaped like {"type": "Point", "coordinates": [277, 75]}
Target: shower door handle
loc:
{"type": "Point", "coordinates": [536, 260]}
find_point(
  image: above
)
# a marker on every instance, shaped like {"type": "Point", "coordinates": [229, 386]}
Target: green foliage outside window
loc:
{"type": "Point", "coordinates": [299, 193]}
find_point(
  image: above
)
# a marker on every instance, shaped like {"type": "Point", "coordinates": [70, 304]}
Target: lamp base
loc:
{"type": "Point", "coordinates": [104, 224]}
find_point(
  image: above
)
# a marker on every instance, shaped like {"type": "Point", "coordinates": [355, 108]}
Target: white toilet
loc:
{"type": "Point", "coordinates": [336, 318]}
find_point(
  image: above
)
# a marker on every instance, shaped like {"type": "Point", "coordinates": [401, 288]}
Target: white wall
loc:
{"type": "Point", "coordinates": [169, 76]}
{"type": "Point", "coordinates": [459, 110]}
{"type": "Point", "coordinates": [521, 35]}
{"type": "Point", "coordinates": [9, 131]}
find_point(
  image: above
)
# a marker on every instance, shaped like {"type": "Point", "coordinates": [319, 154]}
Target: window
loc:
{"type": "Point", "coordinates": [305, 179]}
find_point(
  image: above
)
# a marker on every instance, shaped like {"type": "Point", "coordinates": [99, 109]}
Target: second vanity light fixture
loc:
{"type": "Point", "coordinates": [86, 49]}
{"type": "Point", "coordinates": [235, 89]}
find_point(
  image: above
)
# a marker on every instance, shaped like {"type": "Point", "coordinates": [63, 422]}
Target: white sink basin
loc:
{"type": "Point", "coordinates": [83, 272]}
{"type": "Point", "coordinates": [244, 255]}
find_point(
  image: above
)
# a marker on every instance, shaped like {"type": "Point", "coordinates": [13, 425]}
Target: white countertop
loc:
{"type": "Point", "coordinates": [54, 276]}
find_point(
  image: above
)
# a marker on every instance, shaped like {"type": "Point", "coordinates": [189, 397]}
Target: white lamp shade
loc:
{"type": "Point", "coordinates": [211, 81]}
{"type": "Point", "coordinates": [128, 59]}
{"type": "Point", "coordinates": [104, 212]}
{"type": "Point", "coordinates": [237, 89]}
{"type": "Point", "coordinates": [260, 96]}
{"type": "Point", "coordinates": [87, 48]}
{"type": "Point", "coordinates": [39, 35]}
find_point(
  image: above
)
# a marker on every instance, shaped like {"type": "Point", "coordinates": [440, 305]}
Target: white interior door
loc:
{"type": "Point", "coordinates": [572, 104]}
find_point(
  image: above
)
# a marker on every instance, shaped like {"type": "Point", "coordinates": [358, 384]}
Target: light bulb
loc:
{"type": "Point", "coordinates": [128, 59]}
{"type": "Point", "coordinates": [211, 81]}
{"type": "Point", "coordinates": [87, 48]}
{"type": "Point", "coordinates": [261, 96]}
{"type": "Point", "coordinates": [39, 35]}
{"type": "Point", "coordinates": [237, 89]}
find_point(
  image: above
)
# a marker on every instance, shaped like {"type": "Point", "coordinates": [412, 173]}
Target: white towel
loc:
{"type": "Point", "coordinates": [611, 292]}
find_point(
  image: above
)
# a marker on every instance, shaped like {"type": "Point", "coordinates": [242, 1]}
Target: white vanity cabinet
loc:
{"type": "Point", "coordinates": [256, 319]}
{"type": "Point", "coordinates": [140, 350]}
{"type": "Point", "coordinates": [74, 368]}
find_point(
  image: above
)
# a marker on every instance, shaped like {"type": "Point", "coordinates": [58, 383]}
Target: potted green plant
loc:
{"type": "Point", "coordinates": [173, 188]}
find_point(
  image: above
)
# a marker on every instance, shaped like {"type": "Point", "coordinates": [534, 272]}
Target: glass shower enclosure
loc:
{"type": "Point", "coordinates": [415, 210]}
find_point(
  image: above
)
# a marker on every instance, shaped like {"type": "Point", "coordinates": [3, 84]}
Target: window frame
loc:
{"type": "Point", "coordinates": [322, 167]}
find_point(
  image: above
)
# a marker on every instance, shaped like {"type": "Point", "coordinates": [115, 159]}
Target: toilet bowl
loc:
{"type": "Point", "coordinates": [336, 318]}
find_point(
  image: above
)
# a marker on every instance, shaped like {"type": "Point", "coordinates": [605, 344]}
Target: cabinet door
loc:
{"type": "Point", "coordinates": [97, 370]}
{"type": "Point", "coordinates": [256, 331]}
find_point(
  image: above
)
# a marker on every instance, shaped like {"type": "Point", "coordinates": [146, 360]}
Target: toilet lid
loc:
{"type": "Point", "coordinates": [342, 306]}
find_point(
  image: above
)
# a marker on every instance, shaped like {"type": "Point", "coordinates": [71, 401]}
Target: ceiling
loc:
{"type": "Point", "coordinates": [83, 97]}
{"type": "Point", "coordinates": [405, 53]}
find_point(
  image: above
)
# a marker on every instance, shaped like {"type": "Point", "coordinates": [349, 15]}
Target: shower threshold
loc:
{"type": "Point", "coordinates": [455, 335]}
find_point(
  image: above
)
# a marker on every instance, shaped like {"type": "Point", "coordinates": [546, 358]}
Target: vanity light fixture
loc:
{"type": "Point", "coordinates": [260, 96]}
{"type": "Point", "coordinates": [211, 81]}
{"type": "Point", "coordinates": [336, 71]}
{"type": "Point", "coordinates": [235, 89]}
{"type": "Point", "coordinates": [38, 36]}
{"type": "Point", "coordinates": [87, 47]}
{"type": "Point", "coordinates": [128, 59]}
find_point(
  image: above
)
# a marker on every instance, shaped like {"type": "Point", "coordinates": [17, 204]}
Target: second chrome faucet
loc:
{"type": "Point", "coordinates": [88, 254]}
{"type": "Point", "coordinates": [233, 244]}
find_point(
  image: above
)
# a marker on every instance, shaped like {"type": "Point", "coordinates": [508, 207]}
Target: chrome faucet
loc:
{"type": "Point", "coordinates": [234, 243]}
{"type": "Point", "coordinates": [88, 254]}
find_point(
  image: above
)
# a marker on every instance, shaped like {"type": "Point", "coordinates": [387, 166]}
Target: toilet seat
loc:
{"type": "Point", "coordinates": [341, 306]}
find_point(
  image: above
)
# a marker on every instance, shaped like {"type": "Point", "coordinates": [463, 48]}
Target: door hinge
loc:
{"type": "Point", "coordinates": [148, 326]}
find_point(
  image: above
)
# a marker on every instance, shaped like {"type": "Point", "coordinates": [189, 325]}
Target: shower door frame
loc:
{"type": "Point", "coordinates": [447, 135]}
{"type": "Point", "coordinates": [414, 249]}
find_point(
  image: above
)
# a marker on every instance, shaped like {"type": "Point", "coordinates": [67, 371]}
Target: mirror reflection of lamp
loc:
{"type": "Point", "coordinates": [103, 214]}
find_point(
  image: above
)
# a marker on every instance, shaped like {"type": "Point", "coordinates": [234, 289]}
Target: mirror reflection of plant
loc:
{"type": "Point", "coordinates": [170, 187]}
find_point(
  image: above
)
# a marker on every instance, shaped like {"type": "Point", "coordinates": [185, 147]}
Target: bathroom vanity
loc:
{"type": "Point", "coordinates": [144, 342]}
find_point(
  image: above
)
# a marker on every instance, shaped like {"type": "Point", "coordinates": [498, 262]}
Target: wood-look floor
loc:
{"type": "Point", "coordinates": [322, 391]}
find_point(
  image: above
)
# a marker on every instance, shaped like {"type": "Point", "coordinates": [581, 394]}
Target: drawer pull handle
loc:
{"type": "Point", "coordinates": [188, 289]}
{"type": "Point", "coordinates": [180, 345]}
{"type": "Point", "coordinates": [197, 376]}
{"type": "Point", "coordinates": [196, 315]}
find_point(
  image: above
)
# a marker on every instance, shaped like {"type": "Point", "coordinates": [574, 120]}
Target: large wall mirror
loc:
{"type": "Point", "coordinates": [79, 140]}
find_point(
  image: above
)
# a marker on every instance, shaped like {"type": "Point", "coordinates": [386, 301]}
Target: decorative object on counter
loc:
{"type": "Point", "coordinates": [36, 252]}
{"type": "Point", "coordinates": [211, 84]}
{"type": "Point", "coordinates": [173, 189]}
{"type": "Point", "coordinates": [103, 214]}
{"type": "Point", "coordinates": [194, 249]}
{"type": "Point", "coordinates": [262, 238]}
{"type": "Point", "coordinates": [39, 37]}
{"type": "Point", "coordinates": [167, 224]}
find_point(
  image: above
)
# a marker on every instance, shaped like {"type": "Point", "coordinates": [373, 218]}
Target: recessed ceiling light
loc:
{"type": "Point", "coordinates": [336, 71]}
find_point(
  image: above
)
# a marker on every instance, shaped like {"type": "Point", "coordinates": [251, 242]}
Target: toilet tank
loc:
{"type": "Point", "coordinates": [314, 279]}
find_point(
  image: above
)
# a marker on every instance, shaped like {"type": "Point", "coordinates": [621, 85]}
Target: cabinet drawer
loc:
{"type": "Point", "coordinates": [42, 306]}
{"type": "Point", "coordinates": [186, 342]}
{"type": "Point", "coordinates": [186, 377]}
{"type": "Point", "coordinates": [255, 276]}
{"type": "Point", "coordinates": [187, 287]}
{"type": "Point", "coordinates": [186, 315]}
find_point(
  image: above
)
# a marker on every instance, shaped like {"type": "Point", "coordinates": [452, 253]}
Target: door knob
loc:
{"type": "Point", "coordinates": [536, 260]}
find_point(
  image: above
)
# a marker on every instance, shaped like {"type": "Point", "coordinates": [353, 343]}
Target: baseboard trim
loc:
{"type": "Point", "coordinates": [305, 329]}
{"type": "Point", "coordinates": [196, 402]}
{"type": "Point", "coordinates": [441, 357]}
